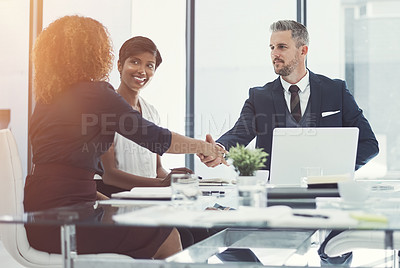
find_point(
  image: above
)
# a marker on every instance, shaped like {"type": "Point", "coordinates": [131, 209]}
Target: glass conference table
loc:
{"type": "Point", "coordinates": [282, 229]}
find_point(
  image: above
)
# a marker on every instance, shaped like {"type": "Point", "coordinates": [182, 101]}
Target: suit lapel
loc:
{"type": "Point", "coordinates": [279, 103]}
{"type": "Point", "coordinates": [315, 97]}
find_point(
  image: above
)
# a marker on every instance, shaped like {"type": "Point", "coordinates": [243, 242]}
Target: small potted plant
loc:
{"type": "Point", "coordinates": [251, 189]}
{"type": "Point", "coordinates": [247, 161]}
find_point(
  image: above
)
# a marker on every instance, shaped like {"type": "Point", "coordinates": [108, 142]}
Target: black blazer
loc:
{"type": "Point", "coordinates": [332, 105]}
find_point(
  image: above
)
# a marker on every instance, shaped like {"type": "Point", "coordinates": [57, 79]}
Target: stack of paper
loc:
{"type": "Point", "coordinates": [146, 193]}
{"type": "Point", "coordinates": [326, 180]}
{"type": "Point", "coordinates": [213, 181]}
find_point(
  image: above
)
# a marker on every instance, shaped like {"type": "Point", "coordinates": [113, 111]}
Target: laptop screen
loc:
{"type": "Point", "coordinates": [332, 149]}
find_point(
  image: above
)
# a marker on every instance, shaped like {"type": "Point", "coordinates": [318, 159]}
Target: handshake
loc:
{"type": "Point", "coordinates": [213, 161]}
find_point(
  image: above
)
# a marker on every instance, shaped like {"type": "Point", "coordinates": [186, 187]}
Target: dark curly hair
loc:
{"type": "Point", "coordinates": [137, 45]}
{"type": "Point", "coordinates": [70, 50]}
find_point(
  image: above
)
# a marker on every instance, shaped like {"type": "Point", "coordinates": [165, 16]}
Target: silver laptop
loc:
{"type": "Point", "coordinates": [332, 149]}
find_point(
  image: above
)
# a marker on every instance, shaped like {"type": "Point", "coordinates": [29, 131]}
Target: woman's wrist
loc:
{"type": "Point", "coordinates": [160, 182]}
{"type": "Point", "coordinates": [206, 148]}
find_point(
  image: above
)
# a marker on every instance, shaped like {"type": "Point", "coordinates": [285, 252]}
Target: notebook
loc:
{"type": "Point", "coordinates": [332, 149]}
{"type": "Point", "coordinates": [146, 193]}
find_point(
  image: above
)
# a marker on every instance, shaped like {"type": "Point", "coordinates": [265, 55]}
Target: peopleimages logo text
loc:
{"type": "Point", "coordinates": [126, 124]}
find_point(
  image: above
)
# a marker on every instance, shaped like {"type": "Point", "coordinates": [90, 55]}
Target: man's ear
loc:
{"type": "Point", "coordinates": [304, 50]}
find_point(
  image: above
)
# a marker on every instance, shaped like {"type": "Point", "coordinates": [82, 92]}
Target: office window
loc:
{"type": "Point", "coordinates": [114, 15]}
{"type": "Point", "coordinates": [14, 47]}
{"type": "Point", "coordinates": [231, 56]}
{"type": "Point", "coordinates": [164, 22]}
{"type": "Point", "coordinates": [358, 41]}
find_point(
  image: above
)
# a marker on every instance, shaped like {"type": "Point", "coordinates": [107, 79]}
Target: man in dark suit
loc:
{"type": "Point", "coordinates": [297, 98]}
{"type": "Point", "coordinates": [324, 102]}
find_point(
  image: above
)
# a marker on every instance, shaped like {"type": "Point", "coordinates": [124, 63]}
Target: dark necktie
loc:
{"type": "Point", "coordinates": [295, 102]}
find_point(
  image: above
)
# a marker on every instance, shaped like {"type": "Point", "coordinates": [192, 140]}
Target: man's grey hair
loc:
{"type": "Point", "coordinates": [299, 31]}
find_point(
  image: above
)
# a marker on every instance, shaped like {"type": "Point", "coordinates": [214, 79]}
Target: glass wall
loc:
{"type": "Point", "coordinates": [164, 22]}
{"type": "Point", "coordinates": [14, 69]}
{"type": "Point", "coordinates": [231, 56]}
{"type": "Point", "coordinates": [114, 15]}
{"type": "Point", "coordinates": [359, 41]}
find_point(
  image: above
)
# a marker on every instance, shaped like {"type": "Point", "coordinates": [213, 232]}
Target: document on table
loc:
{"type": "Point", "coordinates": [213, 182]}
{"type": "Point", "coordinates": [317, 218]}
{"type": "Point", "coordinates": [274, 216]}
{"type": "Point", "coordinates": [169, 215]}
{"type": "Point", "coordinates": [159, 193]}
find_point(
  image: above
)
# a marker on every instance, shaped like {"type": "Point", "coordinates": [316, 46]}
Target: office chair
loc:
{"type": "Point", "coordinates": [354, 239]}
{"type": "Point", "coordinates": [14, 236]}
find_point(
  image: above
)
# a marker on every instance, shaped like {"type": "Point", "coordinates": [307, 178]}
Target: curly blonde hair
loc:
{"type": "Point", "coordinates": [71, 49]}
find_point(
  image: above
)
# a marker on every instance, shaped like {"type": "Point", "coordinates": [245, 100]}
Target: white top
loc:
{"type": "Point", "coordinates": [304, 93]}
{"type": "Point", "coordinates": [132, 158]}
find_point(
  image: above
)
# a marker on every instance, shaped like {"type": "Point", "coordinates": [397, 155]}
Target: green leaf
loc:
{"type": "Point", "coordinates": [247, 161]}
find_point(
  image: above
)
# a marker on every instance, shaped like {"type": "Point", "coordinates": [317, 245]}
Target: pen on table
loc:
{"type": "Point", "coordinates": [211, 193]}
{"type": "Point", "coordinates": [311, 215]}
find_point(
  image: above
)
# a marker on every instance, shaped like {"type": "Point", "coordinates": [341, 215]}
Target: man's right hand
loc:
{"type": "Point", "coordinates": [210, 161]}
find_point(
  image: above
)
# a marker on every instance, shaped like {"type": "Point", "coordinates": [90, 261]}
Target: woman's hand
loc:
{"type": "Point", "coordinates": [215, 156]}
{"type": "Point", "coordinates": [213, 160]}
{"type": "Point", "coordinates": [100, 196]}
{"type": "Point", "coordinates": [185, 145]}
{"type": "Point", "coordinates": [182, 170]}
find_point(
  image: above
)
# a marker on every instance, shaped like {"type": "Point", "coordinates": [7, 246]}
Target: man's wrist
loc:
{"type": "Point", "coordinates": [223, 147]}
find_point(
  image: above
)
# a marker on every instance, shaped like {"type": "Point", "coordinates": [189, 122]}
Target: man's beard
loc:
{"type": "Point", "coordinates": [288, 68]}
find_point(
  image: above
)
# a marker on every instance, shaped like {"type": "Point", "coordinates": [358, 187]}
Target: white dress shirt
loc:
{"type": "Point", "coordinates": [133, 158]}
